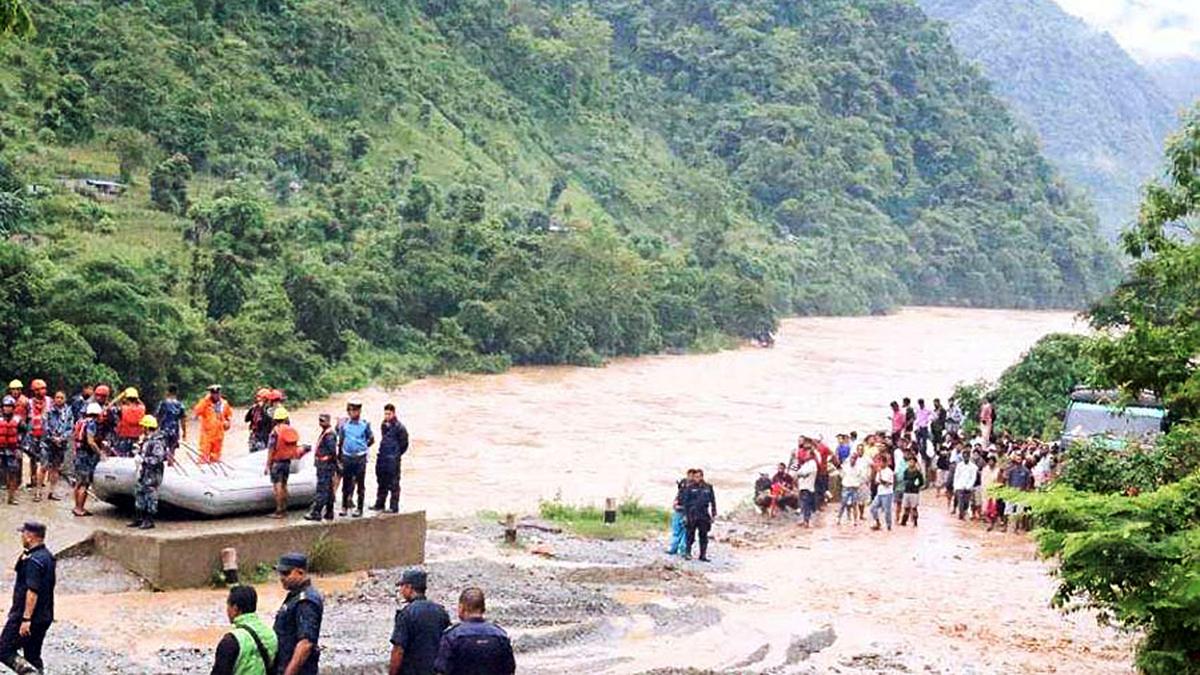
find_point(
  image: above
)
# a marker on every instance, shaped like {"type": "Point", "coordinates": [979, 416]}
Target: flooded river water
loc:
{"type": "Point", "coordinates": [947, 598]}
{"type": "Point", "coordinates": [630, 428]}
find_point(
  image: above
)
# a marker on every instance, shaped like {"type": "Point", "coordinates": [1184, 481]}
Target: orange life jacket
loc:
{"type": "Point", "coordinates": [37, 417]}
{"type": "Point", "coordinates": [287, 443]}
{"type": "Point", "coordinates": [129, 424]}
{"type": "Point", "coordinates": [10, 436]}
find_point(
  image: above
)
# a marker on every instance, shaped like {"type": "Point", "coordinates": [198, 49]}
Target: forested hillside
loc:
{"type": "Point", "coordinates": [1100, 116]}
{"type": "Point", "coordinates": [1178, 78]}
{"type": "Point", "coordinates": [321, 192]}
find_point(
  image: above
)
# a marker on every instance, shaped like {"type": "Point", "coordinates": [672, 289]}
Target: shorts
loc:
{"type": "Point", "coordinates": [942, 476]}
{"type": "Point", "coordinates": [280, 470]}
{"type": "Point", "coordinates": [10, 464]}
{"type": "Point", "coordinates": [85, 467]}
{"type": "Point", "coordinates": [977, 497]}
{"type": "Point", "coordinates": [911, 500]}
{"type": "Point", "coordinates": [52, 454]}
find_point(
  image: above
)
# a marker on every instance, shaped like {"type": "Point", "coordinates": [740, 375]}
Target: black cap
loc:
{"type": "Point", "coordinates": [415, 578]}
{"type": "Point", "coordinates": [292, 561]}
{"type": "Point", "coordinates": [33, 527]}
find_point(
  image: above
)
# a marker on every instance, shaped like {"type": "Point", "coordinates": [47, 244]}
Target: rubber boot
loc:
{"type": "Point", "coordinates": [147, 523]}
{"type": "Point", "coordinates": [137, 521]}
{"type": "Point", "coordinates": [904, 518]}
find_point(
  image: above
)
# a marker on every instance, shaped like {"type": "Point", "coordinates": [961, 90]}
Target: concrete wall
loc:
{"type": "Point", "coordinates": [165, 561]}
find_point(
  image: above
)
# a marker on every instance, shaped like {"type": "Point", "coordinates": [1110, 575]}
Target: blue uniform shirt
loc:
{"type": "Point", "coordinates": [35, 572]}
{"type": "Point", "coordinates": [418, 631]}
{"type": "Point", "coordinates": [393, 441]}
{"type": "Point", "coordinates": [475, 647]}
{"type": "Point", "coordinates": [169, 413]}
{"type": "Point", "coordinates": [356, 437]}
{"type": "Point", "coordinates": [299, 619]}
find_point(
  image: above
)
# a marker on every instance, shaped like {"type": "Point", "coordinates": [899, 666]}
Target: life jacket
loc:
{"type": "Point", "coordinates": [80, 431]}
{"type": "Point", "coordinates": [320, 456]}
{"type": "Point", "coordinates": [287, 443]}
{"type": "Point", "coordinates": [10, 437]}
{"type": "Point", "coordinates": [37, 417]}
{"type": "Point", "coordinates": [129, 422]}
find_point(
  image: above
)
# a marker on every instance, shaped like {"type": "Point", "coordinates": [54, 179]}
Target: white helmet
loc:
{"type": "Point", "coordinates": [94, 409]}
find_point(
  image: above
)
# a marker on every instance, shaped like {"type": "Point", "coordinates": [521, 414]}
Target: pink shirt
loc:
{"type": "Point", "coordinates": [898, 421]}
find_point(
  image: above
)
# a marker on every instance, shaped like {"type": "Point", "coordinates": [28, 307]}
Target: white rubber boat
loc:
{"type": "Point", "coordinates": [219, 489]}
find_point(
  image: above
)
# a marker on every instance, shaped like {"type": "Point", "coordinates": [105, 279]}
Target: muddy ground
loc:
{"type": "Point", "coordinates": [777, 599]}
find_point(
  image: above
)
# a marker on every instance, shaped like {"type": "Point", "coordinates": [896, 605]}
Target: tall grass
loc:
{"type": "Point", "coordinates": [634, 519]}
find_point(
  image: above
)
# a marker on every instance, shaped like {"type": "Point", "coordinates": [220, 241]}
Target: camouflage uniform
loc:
{"type": "Point", "coordinates": [153, 456]}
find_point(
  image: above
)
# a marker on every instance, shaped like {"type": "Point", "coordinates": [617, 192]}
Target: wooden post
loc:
{"type": "Point", "coordinates": [610, 511]}
{"type": "Point", "coordinates": [229, 565]}
{"type": "Point", "coordinates": [510, 529]}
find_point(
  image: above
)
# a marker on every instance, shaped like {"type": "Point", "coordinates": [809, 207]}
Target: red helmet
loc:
{"type": "Point", "coordinates": [276, 395]}
{"type": "Point", "coordinates": [37, 385]}
{"type": "Point", "coordinates": [102, 390]}
{"type": "Point", "coordinates": [263, 393]}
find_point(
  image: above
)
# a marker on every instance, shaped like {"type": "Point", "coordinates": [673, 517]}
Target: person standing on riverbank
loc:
{"type": "Point", "coordinates": [283, 446]}
{"type": "Point", "coordinates": [474, 646]}
{"type": "Point", "coordinates": [250, 648]}
{"type": "Point", "coordinates": [700, 509]}
{"type": "Point", "coordinates": [393, 443]}
{"type": "Point", "coordinates": [298, 621]}
{"type": "Point", "coordinates": [326, 461]}
{"type": "Point", "coordinates": [32, 609]}
{"type": "Point", "coordinates": [912, 481]}
{"type": "Point", "coordinates": [215, 416]}
{"type": "Point", "coordinates": [355, 439]}
{"type": "Point", "coordinates": [418, 628]}
{"type": "Point", "coordinates": [806, 483]}
{"type": "Point", "coordinates": [885, 480]}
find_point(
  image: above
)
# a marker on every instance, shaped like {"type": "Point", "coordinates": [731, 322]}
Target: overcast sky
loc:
{"type": "Point", "coordinates": [1147, 29]}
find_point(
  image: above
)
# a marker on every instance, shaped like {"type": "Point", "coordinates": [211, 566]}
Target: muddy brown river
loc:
{"type": "Point", "coordinates": [947, 598]}
{"type": "Point", "coordinates": [503, 442]}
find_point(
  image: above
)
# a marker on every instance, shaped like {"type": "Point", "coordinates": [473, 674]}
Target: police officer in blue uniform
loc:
{"type": "Point", "coordinates": [298, 621]}
{"type": "Point", "coordinates": [326, 460]}
{"type": "Point", "coordinates": [418, 628]}
{"type": "Point", "coordinates": [393, 443]}
{"type": "Point", "coordinates": [475, 646]}
{"type": "Point", "coordinates": [32, 609]}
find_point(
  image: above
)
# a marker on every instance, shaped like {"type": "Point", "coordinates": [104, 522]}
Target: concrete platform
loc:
{"type": "Point", "coordinates": [169, 559]}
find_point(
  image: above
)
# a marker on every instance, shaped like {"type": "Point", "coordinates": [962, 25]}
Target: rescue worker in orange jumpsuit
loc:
{"type": "Point", "coordinates": [215, 416]}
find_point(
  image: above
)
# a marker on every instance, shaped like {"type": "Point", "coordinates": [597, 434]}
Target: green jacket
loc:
{"type": "Point", "coordinates": [249, 660]}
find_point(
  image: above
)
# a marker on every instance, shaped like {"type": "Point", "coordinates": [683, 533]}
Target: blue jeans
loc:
{"type": "Point", "coordinates": [808, 504]}
{"type": "Point", "coordinates": [884, 503]}
{"type": "Point", "coordinates": [678, 534]}
{"type": "Point", "coordinates": [849, 499]}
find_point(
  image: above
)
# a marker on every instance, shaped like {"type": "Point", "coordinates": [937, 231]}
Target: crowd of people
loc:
{"type": "Point", "coordinates": [56, 436]}
{"type": "Point", "coordinates": [882, 476]}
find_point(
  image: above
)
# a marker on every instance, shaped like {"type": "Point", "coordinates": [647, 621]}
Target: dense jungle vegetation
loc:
{"type": "Point", "coordinates": [321, 193]}
{"type": "Point", "coordinates": [1125, 524]}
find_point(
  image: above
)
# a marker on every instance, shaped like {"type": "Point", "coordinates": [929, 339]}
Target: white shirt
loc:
{"type": "Point", "coordinates": [854, 472]}
{"type": "Point", "coordinates": [964, 475]}
{"type": "Point", "coordinates": [886, 479]}
{"type": "Point", "coordinates": [806, 478]}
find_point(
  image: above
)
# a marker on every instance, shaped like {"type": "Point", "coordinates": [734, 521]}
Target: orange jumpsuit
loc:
{"type": "Point", "coordinates": [214, 420]}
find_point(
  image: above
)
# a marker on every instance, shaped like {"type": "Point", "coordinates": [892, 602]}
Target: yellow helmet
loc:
{"type": "Point", "coordinates": [15, 384]}
{"type": "Point", "coordinates": [280, 413]}
{"type": "Point", "coordinates": [131, 393]}
{"type": "Point", "coordinates": [149, 422]}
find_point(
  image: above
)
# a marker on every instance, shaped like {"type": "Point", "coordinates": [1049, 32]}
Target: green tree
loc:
{"type": "Point", "coordinates": [15, 19]}
{"type": "Point", "coordinates": [168, 184]}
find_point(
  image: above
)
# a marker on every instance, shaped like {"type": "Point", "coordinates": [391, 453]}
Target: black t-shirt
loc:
{"type": "Point", "coordinates": [35, 572]}
{"type": "Point", "coordinates": [418, 631]}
